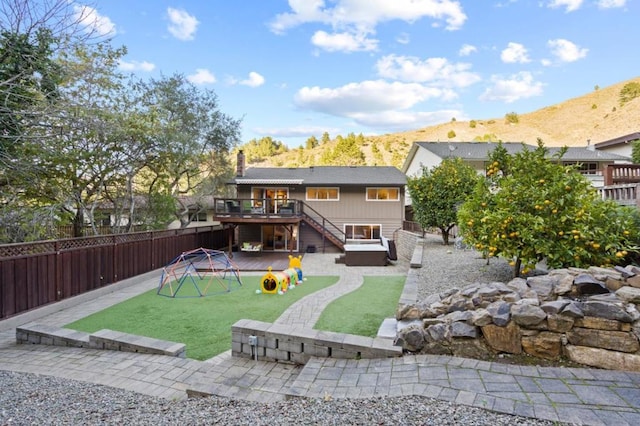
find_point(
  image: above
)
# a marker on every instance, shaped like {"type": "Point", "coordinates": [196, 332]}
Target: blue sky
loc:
{"type": "Point", "coordinates": [297, 68]}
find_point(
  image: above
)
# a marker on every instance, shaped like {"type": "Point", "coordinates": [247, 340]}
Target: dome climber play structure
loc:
{"type": "Point", "coordinates": [198, 273]}
{"type": "Point", "coordinates": [280, 281]}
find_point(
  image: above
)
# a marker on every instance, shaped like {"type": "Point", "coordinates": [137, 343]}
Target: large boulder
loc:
{"type": "Point", "coordinates": [503, 339]}
{"type": "Point", "coordinates": [602, 358]}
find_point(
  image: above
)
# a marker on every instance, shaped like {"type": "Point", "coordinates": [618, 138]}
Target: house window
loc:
{"type": "Point", "coordinates": [198, 216]}
{"type": "Point", "coordinates": [584, 168]}
{"type": "Point", "coordinates": [383, 194]}
{"type": "Point", "coordinates": [362, 232]}
{"type": "Point", "coordinates": [323, 193]}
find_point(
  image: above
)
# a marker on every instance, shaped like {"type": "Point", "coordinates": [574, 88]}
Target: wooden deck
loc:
{"type": "Point", "coordinates": [261, 261]}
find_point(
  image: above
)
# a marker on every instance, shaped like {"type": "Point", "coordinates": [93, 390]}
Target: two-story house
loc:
{"type": "Point", "coordinates": [591, 162]}
{"type": "Point", "coordinates": [313, 208]}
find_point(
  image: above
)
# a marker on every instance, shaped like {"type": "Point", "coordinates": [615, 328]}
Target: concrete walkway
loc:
{"type": "Point", "coordinates": [578, 396]}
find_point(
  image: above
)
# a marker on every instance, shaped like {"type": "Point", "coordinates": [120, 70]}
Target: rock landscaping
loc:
{"type": "Point", "coordinates": [587, 316]}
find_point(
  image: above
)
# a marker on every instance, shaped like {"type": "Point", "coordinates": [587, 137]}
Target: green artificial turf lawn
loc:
{"type": "Point", "coordinates": [362, 311]}
{"type": "Point", "coordinates": [202, 323]}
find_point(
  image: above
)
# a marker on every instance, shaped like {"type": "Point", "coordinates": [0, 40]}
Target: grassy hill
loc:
{"type": "Point", "coordinates": [591, 118]}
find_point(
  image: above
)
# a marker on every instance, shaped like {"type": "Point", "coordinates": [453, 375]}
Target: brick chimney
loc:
{"type": "Point", "coordinates": [240, 164]}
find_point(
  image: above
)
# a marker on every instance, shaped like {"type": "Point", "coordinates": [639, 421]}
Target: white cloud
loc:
{"type": "Point", "coordinates": [295, 131]}
{"type": "Point", "coordinates": [569, 5]}
{"type": "Point", "coordinates": [566, 51]}
{"type": "Point", "coordinates": [373, 96]}
{"type": "Point", "coordinates": [609, 4]}
{"type": "Point", "coordinates": [403, 38]}
{"type": "Point", "coordinates": [202, 76]}
{"type": "Point", "coordinates": [435, 70]}
{"type": "Point", "coordinates": [354, 20]}
{"type": "Point", "coordinates": [254, 80]}
{"type": "Point", "coordinates": [93, 21]}
{"type": "Point", "coordinates": [136, 66]}
{"type": "Point", "coordinates": [467, 49]}
{"type": "Point", "coordinates": [513, 88]}
{"type": "Point", "coordinates": [345, 42]}
{"type": "Point", "coordinates": [402, 120]}
{"type": "Point", "coordinates": [181, 25]}
{"type": "Point", "coordinates": [515, 53]}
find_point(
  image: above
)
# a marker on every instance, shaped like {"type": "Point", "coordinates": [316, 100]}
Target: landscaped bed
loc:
{"type": "Point", "coordinates": [202, 323]}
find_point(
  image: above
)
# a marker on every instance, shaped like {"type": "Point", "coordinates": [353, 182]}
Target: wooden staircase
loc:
{"type": "Point", "coordinates": [322, 230]}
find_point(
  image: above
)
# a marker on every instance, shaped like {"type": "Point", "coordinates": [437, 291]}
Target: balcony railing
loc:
{"type": "Point", "coordinates": [258, 207]}
{"type": "Point", "coordinates": [615, 174]}
{"type": "Point", "coordinates": [625, 195]}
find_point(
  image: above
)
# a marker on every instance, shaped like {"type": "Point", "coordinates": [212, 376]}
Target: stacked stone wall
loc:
{"type": "Point", "coordinates": [589, 316]}
{"type": "Point", "coordinates": [405, 243]}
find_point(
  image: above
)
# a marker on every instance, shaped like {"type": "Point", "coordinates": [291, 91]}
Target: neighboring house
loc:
{"type": "Point", "coordinates": [304, 209]}
{"type": "Point", "coordinates": [622, 145]}
{"type": "Point", "coordinates": [200, 211]}
{"type": "Point", "coordinates": [592, 162]}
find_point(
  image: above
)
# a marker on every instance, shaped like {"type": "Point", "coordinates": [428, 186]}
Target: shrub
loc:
{"type": "Point", "coordinates": [512, 118]}
{"type": "Point", "coordinates": [472, 124]}
{"type": "Point", "coordinates": [629, 92]}
{"type": "Point", "coordinates": [451, 134]}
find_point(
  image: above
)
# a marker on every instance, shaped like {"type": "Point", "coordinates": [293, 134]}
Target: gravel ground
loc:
{"type": "Point", "coordinates": [446, 267]}
{"type": "Point", "coordinates": [28, 399]}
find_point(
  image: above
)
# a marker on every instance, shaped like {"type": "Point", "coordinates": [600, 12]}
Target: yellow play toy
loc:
{"type": "Point", "coordinates": [280, 281]}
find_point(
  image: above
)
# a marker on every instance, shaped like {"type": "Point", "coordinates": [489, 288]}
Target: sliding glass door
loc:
{"type": "Point", "coordinates": [280, 238]}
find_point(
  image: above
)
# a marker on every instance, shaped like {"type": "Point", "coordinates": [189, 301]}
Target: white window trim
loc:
{"type": "Point", "coordinates": [306, 194]}
{"type": "Point", "coordinates": [366, 193]}
{"type": "Point", "coordinates": [344, 229]}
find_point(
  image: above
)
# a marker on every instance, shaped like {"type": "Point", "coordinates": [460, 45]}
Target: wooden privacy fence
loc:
{"type": "Point", "coordinates": [43, 272]}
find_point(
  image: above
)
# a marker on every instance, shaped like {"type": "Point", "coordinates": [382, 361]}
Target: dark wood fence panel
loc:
{"type": "Point", "coordinates": [36, 274]}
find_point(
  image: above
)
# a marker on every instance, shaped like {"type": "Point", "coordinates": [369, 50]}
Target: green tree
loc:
{"type": "Point", "coordinates": [436, 194]}
{"type": "Point", "coordinates": [189, 127]}
{"type": "Point", "coordinates": [532, 208]}
{"type": "Point", "coordinates": [260, 149]}
{"type": "Point", "coordinates": [347, 152]}
{"type": "Point", "coordinates": [635, 151]}
{"type": "Point", "coordinates": [325, 138]}
{"type": "Point", "coordinates": [311, 143]}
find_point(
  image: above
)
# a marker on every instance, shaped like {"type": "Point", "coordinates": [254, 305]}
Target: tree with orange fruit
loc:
{"type": "Point", "coordinates": [532, 208]}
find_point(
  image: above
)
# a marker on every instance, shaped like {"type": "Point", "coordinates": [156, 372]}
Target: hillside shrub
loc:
{"type": "Point", "coordinates": [512, 118]}
{"type": "Point", "coordinates": [629, 92]}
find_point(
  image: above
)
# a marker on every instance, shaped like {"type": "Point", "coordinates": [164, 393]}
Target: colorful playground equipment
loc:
{"type": "Point", "coordinates": [280, 281]}
{"type": "Point", "coordinates": [200, 272]}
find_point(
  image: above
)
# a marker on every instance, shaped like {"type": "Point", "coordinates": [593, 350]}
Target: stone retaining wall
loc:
{"type": "Point", "coordinates": [42, 334]}
{"type": "Point", "coordinates": [589, 316]}
{"type": "Point", "coordinates": [272, 342]}
{"type": "Point", "coordinates": [405, 243]}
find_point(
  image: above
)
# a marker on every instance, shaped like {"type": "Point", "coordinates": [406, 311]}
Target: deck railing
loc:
{"type": "Point", "coordinates": [616, 174]}
{"type": "Point", "coordinates": [256, 207]}
{"type": "Point", "coordinates": [625, 194]}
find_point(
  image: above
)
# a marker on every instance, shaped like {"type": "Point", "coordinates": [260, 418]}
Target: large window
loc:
{"type": "Point", "coordinates": [362, 232]}
{"type": "Point", "coordinates": [383, 194]}
{"type": "Point", "coordinates": [200, 216]}
{"type": "Point", "coordinates": [584, 168]}
{"type": "Point", "coordinates": [323, 193]}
